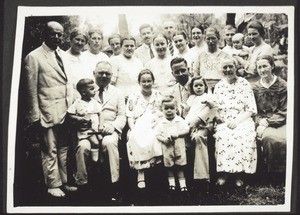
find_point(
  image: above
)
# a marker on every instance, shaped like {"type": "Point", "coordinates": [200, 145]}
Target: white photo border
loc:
{"type": "Point", "coordinates": [24, 12]}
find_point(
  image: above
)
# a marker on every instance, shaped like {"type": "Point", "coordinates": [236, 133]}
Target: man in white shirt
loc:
{"type": "Point", "coordinates": [169, 29]}
{"type": "Point", "coordinates": [229, 31]}
{"type": "Point", "coordinates": [146, 51]}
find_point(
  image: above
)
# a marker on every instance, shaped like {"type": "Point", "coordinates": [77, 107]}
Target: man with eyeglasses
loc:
{"type": "Point", "coordinates": [49, 95]}
{"type": "Point", "coordinates": [113, 112]}
{"type": "Point", "coordinates": [208, 63]}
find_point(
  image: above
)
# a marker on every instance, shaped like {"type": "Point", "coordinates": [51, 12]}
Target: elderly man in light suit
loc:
{"type": "Point", "coordinates": [113, 112]}
{"type": "Point", "coordinates": [49, 94]}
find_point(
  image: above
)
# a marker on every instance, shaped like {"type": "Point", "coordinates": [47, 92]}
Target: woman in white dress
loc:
{"type": "Point", "coordinates": [94, 54]}
{"type": "Point", "coordinates": [143, 112]}
{"type": "Point", "coordinates": [236, 150]}
{"type": "Point", "coordinates": [160, 65]}
{"type": "Point", "coordinates": [78, 40]}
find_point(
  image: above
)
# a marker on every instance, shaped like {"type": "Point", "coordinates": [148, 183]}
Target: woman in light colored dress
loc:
{"type": "Point", "coordinates": [236, 150]}
{"type": "Point", "coordinates": [143, 112]}
{"type": "Point", "coordinates": [78, 40]}
{"type": "Point", "coordinates": [160, 66]}
{"type": "Point", "coordinates": [94, 54]}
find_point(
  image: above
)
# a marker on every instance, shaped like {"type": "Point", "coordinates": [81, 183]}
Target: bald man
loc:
{"type": "Point", "coordinates": [49, 94]}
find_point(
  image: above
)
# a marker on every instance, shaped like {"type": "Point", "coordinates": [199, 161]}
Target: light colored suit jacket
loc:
{"type": "Point", "coordinates": [143, 53]}
{"type": "Point", "coordinates": [49, 92]}
{"type": "Point", "coordinates": [113, 107]}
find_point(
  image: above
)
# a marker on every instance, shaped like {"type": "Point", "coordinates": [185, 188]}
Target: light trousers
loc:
{"type": "Point", "coordinates": [82, 152]}
{"type": "Point", "coordinates": [201, 162]}
{"type": "Point", "coordinates": [54, 156]}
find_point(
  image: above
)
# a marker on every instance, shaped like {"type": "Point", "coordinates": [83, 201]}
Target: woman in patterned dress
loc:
{"type": "Point", "coordinates": [143, 112]}
{"type": "Point", "coordinates": [236, 150]}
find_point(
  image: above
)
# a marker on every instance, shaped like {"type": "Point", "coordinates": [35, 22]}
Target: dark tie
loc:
{"type": "Point", "coordinates": [59, 61]}
{"type": "Point", "coordinates": [101, 94]}
{"type": "Point", "coordinates": [171, 48]}
{"type": "Point", "coordinates": [151, 52]}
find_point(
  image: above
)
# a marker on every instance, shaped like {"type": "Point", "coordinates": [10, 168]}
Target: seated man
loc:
{"type": "Point", "coordinates": [113, 112]}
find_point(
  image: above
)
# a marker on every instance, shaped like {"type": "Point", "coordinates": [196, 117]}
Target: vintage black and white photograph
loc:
{"type": "Point", "coordinates": [151, 109]}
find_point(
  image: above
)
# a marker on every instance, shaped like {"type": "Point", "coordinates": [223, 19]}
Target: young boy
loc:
{"type": "Point", "coordinates": [170, 131]}
{"type": "Point", "coordinates": [88, 110]}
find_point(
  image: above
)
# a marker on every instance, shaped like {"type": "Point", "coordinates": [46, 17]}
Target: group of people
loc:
{"type": "Point", "coordinates": [169, 99]}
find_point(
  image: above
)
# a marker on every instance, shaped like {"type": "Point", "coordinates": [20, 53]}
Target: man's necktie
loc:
{"type": "Point", "coordinates": [101, 94]}
{"type": "Point", "coordinates": [59, 61]}
{"type": "Point", "coordinates": [171, 48]}
{"type": "Point", "coordinates": [151, 52]}
{"type": "Point", "coordinates": [184, 98]}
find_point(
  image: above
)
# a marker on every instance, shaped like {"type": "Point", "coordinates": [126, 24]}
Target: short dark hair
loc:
{"type": "Point", "coordinates": [192, 83]}
{"type": "Point", "coordinates": [77, 31]}
{"type": "Point", "coordinates": [269, 58]}
{"type": "Point", "coordinates": [180, 33]}
{"type": "Point", "coordinates": [198, 26]}
{"type": "Point", "coordinates": [143, 72]}
{"type": "Point", "coordinates": [177, 60]}
{"type": "Point", "coordinates": [168, 98]}
{"type": "Point", "coordinates": [82, 84]}
{"type": "Point", "coordinates": [160, 35]}
{"type": "Point", "coordinates": [127, 37]}
{"type": "Point", "coordinates": [258, 26]}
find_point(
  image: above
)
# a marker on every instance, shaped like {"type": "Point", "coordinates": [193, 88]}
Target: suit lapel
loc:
{"type": "Point", "coordinates": [106, 97]}
{"type": "Point", "coordinates": [51, 61]}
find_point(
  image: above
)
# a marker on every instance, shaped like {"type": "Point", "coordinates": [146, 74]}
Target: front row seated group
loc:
{"type": "Point", "coordinates": [162, 127]}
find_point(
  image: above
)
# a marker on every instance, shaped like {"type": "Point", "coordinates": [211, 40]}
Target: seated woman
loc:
{"type": "Point", "coordinates": [271, 97]}
{"type": "Point", "coordinates": [236, 150]}
{"type": "Point", "coordinates": [142, 112]}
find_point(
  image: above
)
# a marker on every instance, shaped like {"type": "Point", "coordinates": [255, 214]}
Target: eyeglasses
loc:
{"type": "Point", "coordinates": [101, 74]}
{"type": "Point", "coordinates": [178, 71]}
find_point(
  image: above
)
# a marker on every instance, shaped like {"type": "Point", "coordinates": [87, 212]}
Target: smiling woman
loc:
{"type": "Point", "coordinates": [271, 96]}
{"type": "Point", "coordinates": [236, 151]}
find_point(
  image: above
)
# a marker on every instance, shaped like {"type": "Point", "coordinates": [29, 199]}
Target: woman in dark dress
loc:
{"type": "Point", "coordinates": [271, 99]}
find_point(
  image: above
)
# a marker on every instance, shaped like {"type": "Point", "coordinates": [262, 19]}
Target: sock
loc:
{"type": "Point", "coordinates": [182, 183]}
{"type": "Point", "coordinates": [141, 179]}
{"type": "Point", "coordinates": [95, 154]}
{"type": "Point", "coordinates": [171, 181]}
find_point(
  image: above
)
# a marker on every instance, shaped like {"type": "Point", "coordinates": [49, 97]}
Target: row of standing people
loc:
{"type": "Point", "coordinates": [50, 97]}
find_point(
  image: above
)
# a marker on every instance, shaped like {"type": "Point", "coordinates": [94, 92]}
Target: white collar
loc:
{"type": "Point", "coordinates": [268, 85]}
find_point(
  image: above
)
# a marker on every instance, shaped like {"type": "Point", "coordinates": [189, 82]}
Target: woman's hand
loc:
{"type": "Point", "coordinates": [264, 122]}
{"type": "Point", "coordinates": [233, 124]}
{"type": "Point", "coordinates": [260, 130]}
